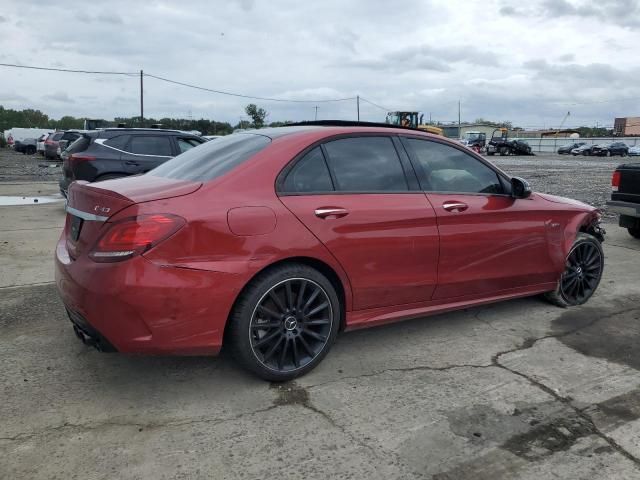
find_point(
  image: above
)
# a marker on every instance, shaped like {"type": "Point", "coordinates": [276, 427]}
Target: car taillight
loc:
{"type": "Point", "coordinates": [134, 236]}
{"type": "Point", "coordinates": [615, 181]}
{"type": "Point", "coordinates": [75, 158]}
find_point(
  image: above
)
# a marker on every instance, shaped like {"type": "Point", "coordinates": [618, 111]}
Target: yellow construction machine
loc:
{"type": "Point", "coordinates": [412, 120]}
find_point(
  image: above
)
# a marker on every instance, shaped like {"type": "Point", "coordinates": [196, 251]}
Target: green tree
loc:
{"type": "Point", "coordinates": [258, 115]}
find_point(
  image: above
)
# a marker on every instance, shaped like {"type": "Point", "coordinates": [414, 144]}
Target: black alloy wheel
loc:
{"type": "Point", "coordinates": [291, 324]}
{"type": "Point", "coordinates": [582, 275]}
{"type": "Point", "coordinates": [284, 321]}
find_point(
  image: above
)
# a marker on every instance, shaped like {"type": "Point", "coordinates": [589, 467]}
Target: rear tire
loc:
{"type": "Point", "coordinates": [284, 322]}
{"type": "Point", "coordinates": [582, 274]}
{"type": "Point", "coordinates": [634, 232]}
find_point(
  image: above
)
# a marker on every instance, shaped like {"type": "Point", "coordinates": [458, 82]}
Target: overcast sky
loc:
{"type": "Point", "coordinates": [525, 61]}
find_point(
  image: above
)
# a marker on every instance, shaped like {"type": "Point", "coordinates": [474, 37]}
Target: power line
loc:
{"type": "Point", "coordinates": [375, 104]}
{"type": "Point", "coordinates": [66, 69]}
{"type": "Point", "coordinates": [222, 92]}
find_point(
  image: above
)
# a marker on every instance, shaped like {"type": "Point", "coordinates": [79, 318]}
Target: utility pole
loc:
{"type": "Point", "coordinates": [141, 99]}
{"type": "Point", "coordinates": [316, 117]}
{"type": "Point", "coordinates": [358, 105]}
{"type": "Point", "coordinates": [430, 122]}
{"type": "Point", "coordinates": [459, 127]}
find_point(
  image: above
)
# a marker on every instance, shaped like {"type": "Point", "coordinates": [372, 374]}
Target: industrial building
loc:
{"type": "Point", "coordinates": [626, 126]}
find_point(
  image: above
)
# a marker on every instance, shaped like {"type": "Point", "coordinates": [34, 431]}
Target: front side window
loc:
{"type": "Point", "coordinates": [310, 174]}
{"type": "Point", "coordinates": [443, 168]}
{"type": "Point", "coordinates": [366, 164]}
{"type": "Point", "coordinates": [150, 145]}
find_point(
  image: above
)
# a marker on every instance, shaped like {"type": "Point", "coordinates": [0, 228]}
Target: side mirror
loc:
{"type": "Point", "coordinates": [520, 188]}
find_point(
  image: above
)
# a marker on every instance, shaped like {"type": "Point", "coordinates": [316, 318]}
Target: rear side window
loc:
{"type": "Point", "coordinates": [57, 136]}
{"type": "Point", "coordinates": [212, 159]}
{"type": "Point", "coordinates": [119, 141]}
{"type": "Point", "coordinates": [446, 169]}
{"type": "Point", "coordinates": [366, 164]}
{"type": "Point", "coordinates": [80, 144]}
{"type": "Point", "coordinates": [70, 136]}
{"type": "Point", "coordinates": [310, 174]}
{"type": "Point", "coordinates": [150, 145]}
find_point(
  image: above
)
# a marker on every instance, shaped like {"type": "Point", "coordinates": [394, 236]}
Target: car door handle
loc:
{"type": "Point", "coordinates": [132, 163]}
{"type": "Point", "coordinates": [331, 212]}
{"type": "Point", "coordinates": [455, 206]}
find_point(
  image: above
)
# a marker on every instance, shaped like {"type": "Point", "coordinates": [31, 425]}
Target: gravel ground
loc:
{"type": "Point", "coordinates": [19, 167]}
{"type": "Point", "coordinates": [586, 179]}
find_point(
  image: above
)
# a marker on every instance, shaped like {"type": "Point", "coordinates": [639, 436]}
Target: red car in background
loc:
{"type": "Point", "coordinates": [271, 241]}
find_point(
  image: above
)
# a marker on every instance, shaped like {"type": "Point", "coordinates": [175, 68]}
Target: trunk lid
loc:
{"type": "Point", "coordinates": [91, 205]}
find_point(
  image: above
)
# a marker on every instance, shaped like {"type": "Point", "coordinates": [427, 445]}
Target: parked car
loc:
{"type": "Point", "coordinates": [119, 152]}
{"type": "Point", "coordinates": [610, 149]}
{"type": "Point", "coordinates": [40, 143]}
{"type": "Point", "coordinates": [625, 197]}
{"type": "Point", "coordinates": [520, 147]}
{"type": "Point", "coordinates": [272, 241]}
{"type": "Point", "coordinates": [582, 150]}
{"type": "Point", "coordinates": [67, 138]}
{"type": "Point", "coordinates": [566, 149]}
{"type": "Point", "coordinates": [634, 151]}
{"type": "Point", "coordinates": [51, 145]}
{"type": "Point", "coordinates": [28, 146]}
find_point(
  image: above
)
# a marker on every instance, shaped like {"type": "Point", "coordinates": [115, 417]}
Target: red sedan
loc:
{"type": "Point", "coordinates": [272, 241]}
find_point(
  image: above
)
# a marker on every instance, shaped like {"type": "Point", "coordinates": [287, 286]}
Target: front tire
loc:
{"type": "Point", "coordinates": [583, 271]}
{"type": "Point", "coordinates": [285, 322]}
{"type": "Point", "coordinates": [634, 232]}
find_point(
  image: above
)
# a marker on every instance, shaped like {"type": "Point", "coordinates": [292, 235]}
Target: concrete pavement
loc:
{"type": "Point", "coordinates": [516, 390]}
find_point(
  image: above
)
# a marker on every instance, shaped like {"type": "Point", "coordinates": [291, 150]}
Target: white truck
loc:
{"type": "Point", "coordinates": [24, 133]}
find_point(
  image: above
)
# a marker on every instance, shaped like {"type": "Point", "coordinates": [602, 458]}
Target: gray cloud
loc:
{"type": "Point", "coordinates": [104, 17]}
{"type": "Point", "coordinates": [427, 57]}
{"type": "Point", "coordinates": [508, 11]}
{"type": "Point", "coordinates": [625, 13]}
{"type": "Point", "coordinates": [61, 97]}
{"type": "Point", "coordinates": [424, 57]}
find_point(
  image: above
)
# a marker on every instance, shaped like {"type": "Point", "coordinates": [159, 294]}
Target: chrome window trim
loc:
{"type": "Point", "coordinates": [85, 215]}
{"type": "Point", "coordinates": [100, 141]}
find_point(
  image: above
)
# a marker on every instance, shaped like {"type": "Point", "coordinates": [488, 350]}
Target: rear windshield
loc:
{"type": "Point", "coordinates": [212, 159]}
{"type": "Point", "coordinates": [79, 145]}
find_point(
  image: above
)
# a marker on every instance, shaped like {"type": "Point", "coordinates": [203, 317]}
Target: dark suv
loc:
{"type": "Point", "coordinates": [615, 148]}
{"type": "Point", "coordinates": [120, 152]}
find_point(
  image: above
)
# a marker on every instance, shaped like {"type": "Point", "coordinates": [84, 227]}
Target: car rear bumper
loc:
{"type": "Point", "coordinates": [624, 208]}
{"type": "Point", "coordinates": [138, 306]}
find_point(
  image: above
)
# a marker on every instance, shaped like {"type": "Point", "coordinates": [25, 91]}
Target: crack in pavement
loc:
{"type": "Point", "coordinates": [304, 401]}
{"type": "Point", "coordinates": [624, 246]}
{"type": "Point", "coordinates": [529, 343]}
{"type": "Point", "coordinates": [400, 369]}
{"type": "Point", "coordinates": [141, 426]}
{"type": "Point", "coordinates": [290, 393]}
